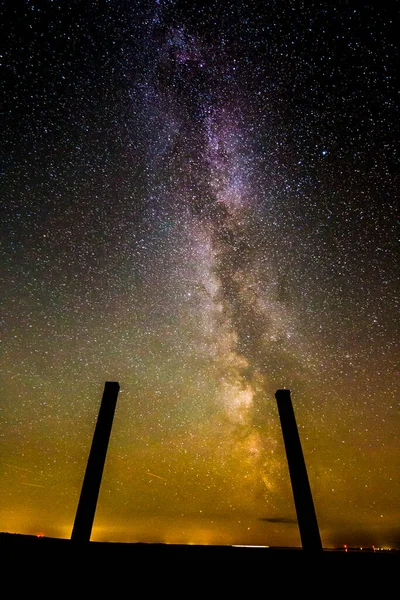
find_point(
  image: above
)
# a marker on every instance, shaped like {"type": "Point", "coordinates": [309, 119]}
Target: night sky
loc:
{"type": "Point", "coordinates": [199, 201]}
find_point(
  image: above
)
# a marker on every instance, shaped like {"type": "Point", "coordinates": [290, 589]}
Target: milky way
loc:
{"type": "Point", "coordinates": [199, 203]}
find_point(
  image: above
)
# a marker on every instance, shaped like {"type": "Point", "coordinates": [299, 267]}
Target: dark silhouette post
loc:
{"type": "Point", "coordinates": [306, 517]}
{"type": "Point", "coordinates": [94, 470]}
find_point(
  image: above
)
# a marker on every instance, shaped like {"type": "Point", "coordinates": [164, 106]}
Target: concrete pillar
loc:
{"type": "Point", "coordinates": [94, 470]}
{"type": "Point", "coordinates": [306, 517]}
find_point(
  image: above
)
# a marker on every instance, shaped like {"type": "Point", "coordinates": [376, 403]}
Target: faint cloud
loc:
{"type": "Point", "coordinates": [277, 520]}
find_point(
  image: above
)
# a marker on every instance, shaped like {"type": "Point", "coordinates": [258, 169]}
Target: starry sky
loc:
{"type": "Point", "coordinates": [199, 201]}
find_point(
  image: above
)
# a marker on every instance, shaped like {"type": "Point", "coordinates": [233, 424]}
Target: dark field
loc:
{"type": "Point", "coordinates": [26, 547]}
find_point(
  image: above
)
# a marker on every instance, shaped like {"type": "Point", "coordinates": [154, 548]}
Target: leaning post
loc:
{"type": "Point", "coordinates": [306, 516]}
{"type": "Point", "coordinates": [84, 517]}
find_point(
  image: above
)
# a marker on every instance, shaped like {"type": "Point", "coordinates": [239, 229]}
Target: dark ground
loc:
{"type": "Point", "coordinates": [25, 547]}
{"type": "Point", "coordinates": [61, 568]}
